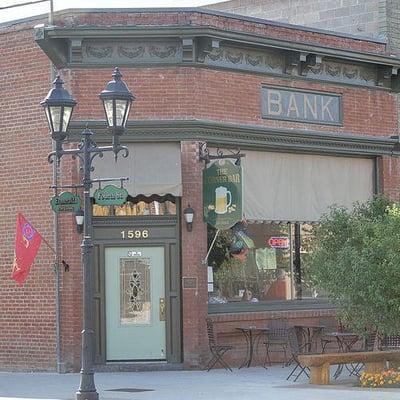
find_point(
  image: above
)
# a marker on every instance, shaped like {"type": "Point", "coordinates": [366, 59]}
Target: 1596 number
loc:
{"type": "Point", "coordinates": [135, 234]}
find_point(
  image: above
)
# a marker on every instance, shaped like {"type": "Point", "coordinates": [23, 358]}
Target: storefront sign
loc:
{"type": "Point", "coordinates": [301, 106]}
{"type": "Point", "coordinates": [110, 195]}
{"type": "Point", "coordinates": [222, 194]}
{"type": "Point", "coordinates": [65, 202]}
{"type": "Point", "coordinates": [279, 242]}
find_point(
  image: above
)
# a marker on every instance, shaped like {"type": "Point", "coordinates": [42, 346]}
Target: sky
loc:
{"type": "Point", "coordinates": [43, 8]}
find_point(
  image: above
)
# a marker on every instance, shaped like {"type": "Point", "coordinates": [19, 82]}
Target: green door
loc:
{"type": "Point", "coordinates": [135, 303]}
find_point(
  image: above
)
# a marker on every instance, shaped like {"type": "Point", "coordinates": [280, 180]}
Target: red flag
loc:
{"type": "Point", "coordinates": [27, 243]}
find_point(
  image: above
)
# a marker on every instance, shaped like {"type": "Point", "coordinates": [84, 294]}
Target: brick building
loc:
{"type": "Point", "coordinates": [310, 110]}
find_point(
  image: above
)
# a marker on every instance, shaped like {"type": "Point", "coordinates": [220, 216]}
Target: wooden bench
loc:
{"type": "Point", "coordinates": [319, 364]}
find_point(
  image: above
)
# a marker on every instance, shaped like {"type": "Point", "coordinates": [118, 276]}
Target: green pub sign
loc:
{"type": "Point", "coordinates": [110, 195]}
{"type": "Point", "coordinates": [222, 194]}
{"type": "Point", "coordinates": [65, 202]}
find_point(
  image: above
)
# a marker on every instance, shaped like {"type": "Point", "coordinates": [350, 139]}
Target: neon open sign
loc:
{"type": "Point", "coordinates": [279, 242]}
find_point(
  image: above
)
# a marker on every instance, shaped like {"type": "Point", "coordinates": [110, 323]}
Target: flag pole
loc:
{"type": "Point", "coordinates": [48, 245]}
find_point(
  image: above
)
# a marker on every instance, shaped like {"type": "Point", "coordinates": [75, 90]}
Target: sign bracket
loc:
{"type": "Point", "coordinates": [204, 154]}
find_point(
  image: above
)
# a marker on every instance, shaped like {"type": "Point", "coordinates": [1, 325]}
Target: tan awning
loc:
{"type": "Point", "coordinates": [301, 187]}
{"type": "Point", "coordinates": [152, 168]}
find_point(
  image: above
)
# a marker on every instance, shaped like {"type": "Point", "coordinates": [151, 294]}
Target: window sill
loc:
{"type": "Point", "coordinates": [277, 305]}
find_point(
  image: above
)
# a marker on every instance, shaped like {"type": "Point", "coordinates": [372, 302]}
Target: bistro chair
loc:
{"type": "Point", "coordinates": [216, 349]}
{"type": "Point", "coordinates": [390, 342]}
{"type": "Point", "coordinates": [278, 337]}
{"type": "Point", "coordinates": [331, 325]}
{"type": "Point", "coordinates": [296, 350]}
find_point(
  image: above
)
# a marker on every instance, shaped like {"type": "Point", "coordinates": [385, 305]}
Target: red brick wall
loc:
{"type": "Point", "coordinates": [27, 327]}
{"type": "Point", "coordinates": [194, 93]}
{"type": "Point", "coordinates": [27, 313]}
{"type": "Point", "coordinates": [194, 250]}
{"type": "Point", "coordinates": [234, 23]}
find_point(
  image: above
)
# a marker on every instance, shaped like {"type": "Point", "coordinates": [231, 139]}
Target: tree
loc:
{"type": "Point", "coordinates": [356, 261]}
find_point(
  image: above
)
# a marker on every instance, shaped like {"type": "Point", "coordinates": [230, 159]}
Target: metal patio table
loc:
{"type": "Point", "coordinates": [309, 334]}
{"type": "Point", "coordinates": [345, 341]}
{"type": "Point", "coordinates": [253, 336]}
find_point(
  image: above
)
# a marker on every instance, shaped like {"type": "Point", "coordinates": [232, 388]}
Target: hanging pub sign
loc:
{"type": "Point", "coordinates": [222, 194]}
{"type": "Point", "coordinates": [65, 202]}
{"type": "Point", "coordinates": [110, 195]}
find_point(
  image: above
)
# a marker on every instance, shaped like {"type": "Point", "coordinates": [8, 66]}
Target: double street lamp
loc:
{"type": "Point", "coordinates": [58, 106]}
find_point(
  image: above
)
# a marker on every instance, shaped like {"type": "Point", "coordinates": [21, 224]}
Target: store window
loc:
{"type": "Point", "coordinates": [260, 262]}
{"type": "Point", "coordinates": [135, 207]}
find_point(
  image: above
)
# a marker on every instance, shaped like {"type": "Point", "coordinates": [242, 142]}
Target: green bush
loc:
{"type": "Point", "coordinates": [356, 260]}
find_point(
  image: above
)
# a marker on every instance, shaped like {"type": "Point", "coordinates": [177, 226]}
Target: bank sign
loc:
{"type": "Point", "coordinates": [222, 194]}
{"type": "Point", "coordinates": [301, 106]}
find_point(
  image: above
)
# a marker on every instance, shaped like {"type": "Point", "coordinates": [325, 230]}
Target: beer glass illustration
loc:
{"type": "Point", "coordinates": [221, 199]}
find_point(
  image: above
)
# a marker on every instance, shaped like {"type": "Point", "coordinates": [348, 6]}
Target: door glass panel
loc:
{"type": "Point", "coordinates": [135, 303]}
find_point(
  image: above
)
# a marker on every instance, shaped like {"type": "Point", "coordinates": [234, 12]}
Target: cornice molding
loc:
{"type": "Point", "coordinates": [204, 46]}
{"type": "Point", "coordinates": [245, 136]}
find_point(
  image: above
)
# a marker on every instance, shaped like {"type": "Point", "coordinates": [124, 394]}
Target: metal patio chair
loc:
{"type": "Point", "coordinates": [391, 342]}
{"type": "Point", "coordinates": [278, 336]}
{"type": "Point", "coordinates": [217, 350]}
{"type": "Point", "coordinates": [296, 350]}
{"type": "Point", "coordinates": [331, 325]}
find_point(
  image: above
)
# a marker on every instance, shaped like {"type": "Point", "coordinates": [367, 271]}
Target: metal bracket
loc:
{"type": "Point", "coordinates": [204, 154]}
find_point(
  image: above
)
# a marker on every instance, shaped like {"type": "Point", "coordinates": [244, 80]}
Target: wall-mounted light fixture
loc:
{"type": "Point", "coordinates": [188, 212]}
{"type": "Point", "coordinates": [79, 217]}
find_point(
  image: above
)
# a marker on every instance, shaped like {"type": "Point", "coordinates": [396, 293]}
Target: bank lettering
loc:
{"type": "Point", "coordinates": [300, 106]}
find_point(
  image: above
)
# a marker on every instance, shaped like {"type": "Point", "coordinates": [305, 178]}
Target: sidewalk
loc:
{"type": "Point", "coordinates": [252, 383]}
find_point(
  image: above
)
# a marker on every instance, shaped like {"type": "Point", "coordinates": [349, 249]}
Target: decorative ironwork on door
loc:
{"type": "Point", "coordinates": [135, 300]}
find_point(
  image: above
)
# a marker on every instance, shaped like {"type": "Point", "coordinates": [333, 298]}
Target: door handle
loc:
{"type": "Point", "coordinates": [162, 309]}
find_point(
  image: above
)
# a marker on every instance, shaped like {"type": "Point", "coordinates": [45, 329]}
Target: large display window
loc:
{"type": "Point", "coordinates": [260, 262]}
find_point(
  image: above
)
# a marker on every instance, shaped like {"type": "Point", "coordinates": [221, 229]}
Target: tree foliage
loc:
{"type": "Point", "coordinates": [356, 261]}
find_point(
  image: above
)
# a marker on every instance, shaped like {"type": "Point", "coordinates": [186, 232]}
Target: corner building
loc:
{"type": "Point", "coordinates": [312, 111]}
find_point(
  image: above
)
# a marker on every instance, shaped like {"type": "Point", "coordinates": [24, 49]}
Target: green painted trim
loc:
{"type": "Point", "coordinates": [64, 46]}
{"type": "Point", "coordinates": [142, 32]}
{"type": "Point", "coordinates": [244, 136]}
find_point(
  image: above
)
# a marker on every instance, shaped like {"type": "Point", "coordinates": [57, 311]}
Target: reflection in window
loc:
{"type": "Point", "coordinates": [140, 208]}
{"type": "Point", "coordinates": [256, 262]}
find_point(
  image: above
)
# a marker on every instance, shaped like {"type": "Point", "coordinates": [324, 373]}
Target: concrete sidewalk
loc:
{"type": "Point", "coordinates": [252, 383]}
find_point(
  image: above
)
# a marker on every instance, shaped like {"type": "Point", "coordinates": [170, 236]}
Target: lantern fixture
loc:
{"type": "Point", "coordinates": [188, 212]}
{"type": "Point", "coordinates": [117, 100]}
{"type": "Point", "coordinates": [58, 106]}
{"type": "Point", "coordinates": [79, 219]}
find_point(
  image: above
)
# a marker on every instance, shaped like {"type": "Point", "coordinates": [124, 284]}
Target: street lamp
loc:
{"type": "Point", "coordinates": [58, 106]}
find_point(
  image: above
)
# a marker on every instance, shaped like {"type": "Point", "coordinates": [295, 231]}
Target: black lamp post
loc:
{"type": "Point", "coordinates": [58, 106]}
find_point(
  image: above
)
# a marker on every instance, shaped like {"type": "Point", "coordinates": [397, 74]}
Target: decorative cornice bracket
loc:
{"type": "Point", "coordinates": [292, 62]}
{"type": "Point", "coordinates": [75, 54]}
{"type": "Point", "coordinates": [205, 46]}
{"type": "Point", "coordinates": [386, 74]}
{"type": "Point", "coordinates": [188, 49]}
{"type": "Point", "coordinates": [309, 60]}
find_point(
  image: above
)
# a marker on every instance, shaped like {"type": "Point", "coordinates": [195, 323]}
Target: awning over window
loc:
{"type": "Point", "coordinates": [152, 168]}
{"type": "Point", "coordinates": [301, 187]}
